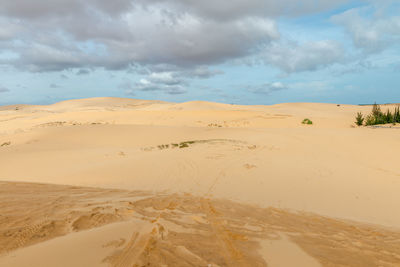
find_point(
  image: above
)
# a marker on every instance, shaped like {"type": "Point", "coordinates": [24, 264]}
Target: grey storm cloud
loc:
{"type": "Point", "coordinates": [64, 34]}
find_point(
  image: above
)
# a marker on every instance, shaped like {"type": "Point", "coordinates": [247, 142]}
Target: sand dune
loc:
{"type": "Point", "coordinates": [123, 228]}
{"type": "Point", "coordinates": [125, 182]}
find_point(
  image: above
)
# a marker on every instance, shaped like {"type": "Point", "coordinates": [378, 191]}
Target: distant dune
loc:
{"type": "Point", "coordinates": [119, 182]}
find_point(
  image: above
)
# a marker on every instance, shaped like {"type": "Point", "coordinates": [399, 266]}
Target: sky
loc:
{"type": "Point", "coordinates": [237, 51]}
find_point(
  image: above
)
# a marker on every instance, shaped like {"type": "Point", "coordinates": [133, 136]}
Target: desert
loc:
{"type": "Point", "coordinates": [199, 133]}
{"type": "Point", "coordinates": [125, 182]}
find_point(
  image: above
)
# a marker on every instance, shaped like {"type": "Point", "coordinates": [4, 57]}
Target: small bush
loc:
{"type": "Point", "coordinates": [396, 115]}
{"type": "Point", "coordinates": [183, 145]}
{"type": "Point", "coordinates": [369, 120]}
{"type": "Point", "coordinates": [359, 119]}
{"type": "Point", "coordinates": [376, 110]}
{"type": "Point", "coordinates": [307, 121]}
{"type": "Point", "coordinates": [388, 117]}
{"type": "Point", "coordinates": [378, 117]}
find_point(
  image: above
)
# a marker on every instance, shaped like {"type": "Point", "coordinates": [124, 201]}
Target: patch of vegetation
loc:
{"type": "Point", "coordinates": [307, 121]}
{"type": "Point", "coordinates": [183, 145]}
{"type": "Point", "coordinates": [359, 119]}
{"type": "Point", "coordinates": [6, 144]}
{"type": "Point", "coordinates": [161, 147]}
{"type": "Point", "coordinates": [186, 144]}
{"type": "Point", "coordinates": [378, 117]}
{"type": "Point", "coordinates": [214, 125]}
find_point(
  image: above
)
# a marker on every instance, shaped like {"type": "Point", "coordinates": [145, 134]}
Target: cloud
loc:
{"type": "Point", "coordinates": [199, 72]}
{"type": "Point", "coordinates": [266, 88]}
{"type": "Point", "coordinates": [8, 29]}
{"type": "Point", "coordinates": [82, 34]}
{"type": "Point", "coordinates": [175, 81]}
{"type": "Point", "coordinates": [216, 9]}
{"type": "Point", "coordinates": [161, 82]}
{"type": "Point", "coordinates": [371, 33]}
{"type": "Point", "coordinates": [172, 89]}
{"type": "Point", "coordinates": [356, 66]}
{"type": "Point", "coordinates": [314, 87]}
{"type": "Point", "coordinates": [3, 90]}
{"type": "Point", "coordinates": [293, 57]}
{"type": "Point", "coordinates": [54, 86]}
{"type": "Point", "coordinates": [169, 35]}
{"type": "Point", "coordinates": [219, 10]}
{"type": "Point", "coordinates": [83, 72]}
{"type": "Point", "coordinates": [166, 78]}
{"type": "Point", "coordinates": [202, 73]}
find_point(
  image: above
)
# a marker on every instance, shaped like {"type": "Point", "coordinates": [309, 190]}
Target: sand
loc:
{"type": "Point", "coordinates": [124, 182]}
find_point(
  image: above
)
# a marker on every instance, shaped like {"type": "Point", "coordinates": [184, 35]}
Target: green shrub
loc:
{"type": "Point", "coordinates": [389, 117]}
{"type": "Point", "coordinates": [369, 120]}
{"type": "Point", "coordinates": [6, 144]}
{"type": "Point", "coordinates": [307, 121]}
{"type": "Point", "coordinates": [376, 110]}
{"type": "Point", "coordinates": [378, 117]}
{"type": "Point", "coordinates": [183, 145]}
{"type": "Point", "coordinates": [359, 119]}
{"type": "Point", "coordinates": [396, 115]}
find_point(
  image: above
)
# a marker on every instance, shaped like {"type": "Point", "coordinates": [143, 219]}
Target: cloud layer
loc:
{"type": "Point", "coordinates": [72, 34]}
{"type": "Point", "coordinates": [174, 47]}
{"type": "Point", "coordinates": [64, 34]}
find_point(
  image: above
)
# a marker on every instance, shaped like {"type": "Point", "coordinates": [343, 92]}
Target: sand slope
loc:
{"type": "Point", "coordinates": [215, 154]}
{"type": "Point", "coordinates": [98, 227]}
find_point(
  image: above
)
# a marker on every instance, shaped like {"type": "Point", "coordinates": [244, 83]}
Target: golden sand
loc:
{"type": "Point", "coordinates": [122, 182]}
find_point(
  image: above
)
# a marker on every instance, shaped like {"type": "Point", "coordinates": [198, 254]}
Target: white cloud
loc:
{"type": "Point", "coordinates": [294, 57]}
{"type": "Point", "coordinates": [371, 33]}
{"type": "Point", "coordinates": [166, 78]}
{"type": "Point", "coordinates": [202, 72]}
{"type": "Point", "coordinates": [162, 82]}
{"type": "Point", "coordinates": [266, 88]}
